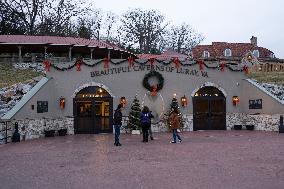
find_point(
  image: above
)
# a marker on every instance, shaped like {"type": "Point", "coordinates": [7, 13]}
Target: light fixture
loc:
{"type": "Point", "coordinates": [235, 100]}
{"type": "Point", "coordinates": [62, 102]}
{"type": "Point", "coordinates": [184, 101]}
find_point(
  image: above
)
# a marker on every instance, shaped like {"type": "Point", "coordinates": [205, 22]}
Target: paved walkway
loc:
{"type": "Point", "coordinates": [213, 160]}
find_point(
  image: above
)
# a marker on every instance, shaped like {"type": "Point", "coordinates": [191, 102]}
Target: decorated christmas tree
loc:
{"type": "Point", "coordinates": [134, 115]}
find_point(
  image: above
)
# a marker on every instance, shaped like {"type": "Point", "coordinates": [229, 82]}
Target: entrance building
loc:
{"type": "Point", "coordinates": [93, 111]}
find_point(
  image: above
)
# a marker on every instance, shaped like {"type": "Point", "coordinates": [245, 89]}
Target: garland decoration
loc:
{"type": "Point", "coordinates": [154, 89]}
{"type": "Point", "coordinates": [213, 64]}
{"type": "Point", "coordinates": [47, 65]}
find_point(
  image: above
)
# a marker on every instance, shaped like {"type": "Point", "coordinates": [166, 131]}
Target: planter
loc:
{"type": "Point", "coordinates": [62, 132]}
{"type": "Point", "coordinates": [49, 133]}
{"type": "Point", "coordinates": [250, 127]}
{"type": "Point", "coordinates": [135, 132]}
{"type": "Point", "coordinates": [237, 127]}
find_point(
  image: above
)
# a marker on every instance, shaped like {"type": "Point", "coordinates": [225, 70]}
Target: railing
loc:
{"type": "Point", "coordinates": [5, 132]}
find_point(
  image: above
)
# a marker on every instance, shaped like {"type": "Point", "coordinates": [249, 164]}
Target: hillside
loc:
{"type": "Point", "coordinates": [10, 75]}
{"type": "Point", "coordinates": [268, 77]}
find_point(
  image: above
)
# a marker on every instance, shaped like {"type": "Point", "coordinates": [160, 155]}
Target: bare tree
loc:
{"type": "Point", "coordinates": [109, 21]}
{"type": "Point", "coordinates": [27, 11]}
{"type": "Point", "coordinates": [183, 38]}
{"type": "Point", "coordinates": [143, 28]}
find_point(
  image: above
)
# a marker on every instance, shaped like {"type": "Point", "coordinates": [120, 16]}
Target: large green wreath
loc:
{"type": "Point", "coordinates": [156, 74]}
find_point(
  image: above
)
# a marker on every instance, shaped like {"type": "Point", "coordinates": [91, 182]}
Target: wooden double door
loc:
{"type": "Point", "coordinates": [93, 115]}
{"type": "Point", "coordinates": [209, 111]}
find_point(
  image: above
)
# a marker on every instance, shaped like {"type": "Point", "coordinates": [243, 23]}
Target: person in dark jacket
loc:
{"type": "Point", "coordinates": [117, 122]}
{"type": "Point", "coordinates": [145, 118]}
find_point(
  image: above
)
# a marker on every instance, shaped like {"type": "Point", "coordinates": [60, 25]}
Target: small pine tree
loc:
{"type": "Point", "coordinates": [134, 115]}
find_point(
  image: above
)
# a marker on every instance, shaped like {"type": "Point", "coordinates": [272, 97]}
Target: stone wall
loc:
{"type": "Point", "coordinates": [34, 128]}
{"type": "Point", "coordinates": [261, 122]}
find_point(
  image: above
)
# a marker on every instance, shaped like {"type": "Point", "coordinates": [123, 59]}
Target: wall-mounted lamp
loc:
{"type": "Point", "coordinates": [123, 101]}
{"type": "Point", "coordinates": [184, 101]}
{"type": "Point", "coordinates": [235, 100]}
{"type": "Point", "coordinates": [62, 102]}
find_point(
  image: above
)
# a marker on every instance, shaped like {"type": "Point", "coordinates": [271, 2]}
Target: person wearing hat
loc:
{"type": "Point", "coordinates": [117, 122]}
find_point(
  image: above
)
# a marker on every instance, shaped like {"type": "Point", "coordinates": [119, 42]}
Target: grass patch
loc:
{"type": "Point", "coordinates": [9, 75]}
{"type": "Point", "coordinates": [268, 77]}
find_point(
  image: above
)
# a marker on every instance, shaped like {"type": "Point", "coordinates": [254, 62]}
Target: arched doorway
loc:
{"type": "Point", "coordinates": [92, 111]}
{"type": "Point", "coordinates": [209, 109]}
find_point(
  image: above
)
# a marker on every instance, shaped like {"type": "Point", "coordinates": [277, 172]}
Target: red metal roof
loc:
{"type": "Point", "coordinates": [217, 49]}
{"type": "Point", "coordinates": [54, 40]}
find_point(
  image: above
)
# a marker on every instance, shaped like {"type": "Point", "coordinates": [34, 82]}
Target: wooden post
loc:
{"type": "Point", "coordinates": [20, 53]}
{"type": "Point", "coordinates": [92, 49]}
{"type": "Point", "coordinates": [70, 54]}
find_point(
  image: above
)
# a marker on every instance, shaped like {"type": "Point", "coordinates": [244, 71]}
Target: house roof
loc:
{"type": "Point", "coordinates": [217, 49]}
{"type": "Point", "coordinates": [167, 55]}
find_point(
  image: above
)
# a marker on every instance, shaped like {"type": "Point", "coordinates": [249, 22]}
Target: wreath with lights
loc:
{"type": "Point", "coordinates": [151, 74]}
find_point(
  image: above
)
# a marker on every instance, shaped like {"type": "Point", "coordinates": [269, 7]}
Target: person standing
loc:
{"type": "Point", "coordinates": [175, 125]}
{"type": "Point", "coordinates": [117, 124]}
{"type": "Point", "coordinates": [150, 128]}
{"type": "Point", "coordinates": [145, 118]}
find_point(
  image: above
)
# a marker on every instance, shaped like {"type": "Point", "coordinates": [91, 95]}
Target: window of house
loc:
{"type": "Point", "coordinates": [206, 54]}
{"type": "Point", "coordinates": [255, 53]}
{"type": "Point", "coordinates": [228, 52]}
{"type": "Point", "coordinates": [272, 55]}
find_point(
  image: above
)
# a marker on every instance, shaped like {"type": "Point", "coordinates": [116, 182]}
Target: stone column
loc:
{"type": "Point", "coordinates": [92, 49]}
{"type": "Point", "coordinates": [45, 52]}
{"type": "Point", "coordinates": [20, 54]}
{"type": "Point", "coordinates": [108, 54]}
{"type": "Point", "coordinates": [70, 54]}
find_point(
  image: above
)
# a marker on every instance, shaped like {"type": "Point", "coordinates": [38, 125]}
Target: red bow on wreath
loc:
{"type": "Point", "coordinates": [131, 61]}
{"type": "Point", "coordinates": [47, 65]}
{"type": "Point", "coordinates": [106, 62]}
{"type": "Point", "coordinates": [201, 63]}
{"type": "Point", "coordinates": [152, 60]}
{"type": "Point", "coordinates": [154, 90]}
{"type": "Point", "coordinates": [176, 62]}
{"type": "Point", "coordinates": [222, 66]}
{"type": "Point", "coordinates": [78, 65]}
{"type": "Point", "coordinates": [245, 68]}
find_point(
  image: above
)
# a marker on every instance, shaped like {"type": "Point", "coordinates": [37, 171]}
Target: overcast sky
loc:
{"type": "Point", "coordinates": [219, 20]}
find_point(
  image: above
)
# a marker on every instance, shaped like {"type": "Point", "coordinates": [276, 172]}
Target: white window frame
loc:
{"type": "Point", "coordinates": [206, 54]}
{"type": "Point", "coordinates": [229, 52]}
{"type": "Point", "coordinates": [255, 53]}
{"type": "Point", "coordinates": [272, 55]}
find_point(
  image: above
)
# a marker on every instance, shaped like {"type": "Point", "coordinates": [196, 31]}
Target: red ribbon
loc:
{"type": "Point", "coordinates": [176, 62]}
{"type": "Point", "coordinates": [106, 63]}
{"type": "Point", "coordinates": [152, 60]}
{"type": "Point", "coordinates": [78, 65]}
{"type": "Point", "coordinates": [222, 67]}
{"type": "Point", "coordinates": [131, 61]}
{"type": "Point", "coordinates": [201, 63]}
{"type": "Point", "coordinates": [245, 68]}
{"type": "Point", "coordinates": [46, 65]}
{"type": "Point", "coordinates": [154, 90]}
